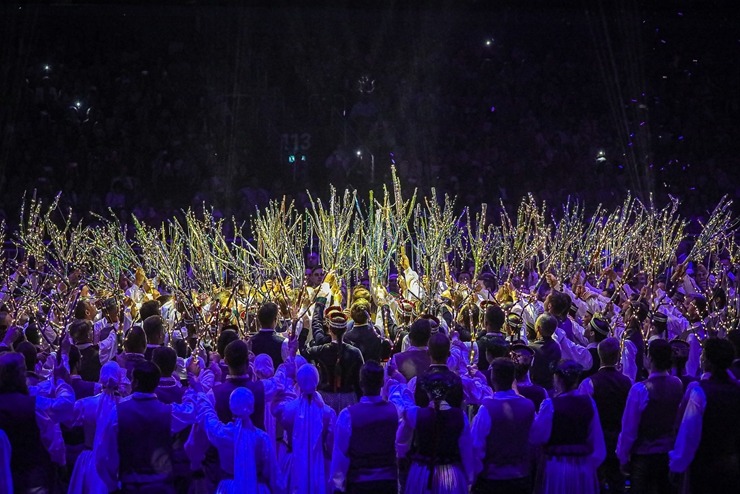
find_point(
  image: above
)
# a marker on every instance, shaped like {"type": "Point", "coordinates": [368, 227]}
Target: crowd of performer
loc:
{"type": "Point", "coordinates": [527, 385]}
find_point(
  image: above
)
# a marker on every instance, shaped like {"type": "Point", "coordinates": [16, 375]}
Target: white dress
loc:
{"type": "Point", "coordinates": [247, 448]}
{"type": "Point", "coordinates": [567, 474]}
{"type": "Point", "coordinates": [454, 478]}
{"type": "Point", "coordinates": [87, 413]}
{"type": "Point", "coordinates": [309, 425]}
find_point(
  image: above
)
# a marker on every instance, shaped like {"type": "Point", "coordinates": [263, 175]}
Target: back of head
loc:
{"type": "Point", "coordinates": [371, 378]}
{"type": "Point", "coordinates": [559, 303]}
{"type": "Point", "coordinates": [337, 324]}
{"type": "Point", "coordinates": [267, 315]}
{"type": "Point", "coordinates": [719, 354]}
{"type": "Point", "coordinates": [166, 359]}
{"type": "Point", "coordinates": [154, 329]}
{"type": "Point", "coordinates": [469, 315]}
{"type": "Point", "coordinates": [660, 354]}
{"type": "Point", "coordinates": [264, 366]}
{"type": "Point", "coordinates": [568, 371]}
{"type": "Point", "coordinates": [419, 332]}
{"type": "Point", "coordinates": [148, 309]}
{"type": "Point", "coordinates": [226, 337]}
{"type": "Point", "coordinates": [546, 325]}
{"type": "Point", "coordinates": [146, 377]}
{"type": "Point", "coordinates": [80, 330]}
{"type": "Point", "coordinates": [496, 348]}
{"type": "Point", "coordinates": [503, 372]}
{"type": "Point", "coordinates": [307, 378]}
{"type": "Point", "coordinates": [110, 375]}
{"type": "Point", "coordinates": [12, 373]}
{"type": "Point", "coordinates": [609, 351]}
{"type": "Point", "coordinates": [679, 353]}
{"type": "Point", "coordinates": [241, 402]}
{"type": "Point", "coordinates": [236, 355]}
{"type": "Point", "coordinates": [135, 340]}
{"type": "Point", "coordinates": [29, 355]}
{"type": "Point", "coordinates": [439, 347]}
{"type": "Point", "coordinates": [360, 292]}
{"type": "Point", "coordinates": [360, 311]}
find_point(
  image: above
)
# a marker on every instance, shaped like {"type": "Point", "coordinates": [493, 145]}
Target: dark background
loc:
{"type": "Point", "coordinates": [150, 108]}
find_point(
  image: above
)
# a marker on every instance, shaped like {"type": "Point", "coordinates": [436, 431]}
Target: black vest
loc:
{"type": "Point", "coordinates": [716, 465]}
{"type": "Point", "coordinates": [436, 436]}
{"type": "Point", "coordinates": [222, 394]}
{"type": "Point", "coordinates": [534, 393]}
{"type": "Point", "coordinates": [372, 443]}
{"type": "Point", "coordinates": [144, 440]}
{"type": "Point", "coordinates": [485, 341]}
{"type": "Point", "coordinates": [30, 463]}
{"type": "Point", "coordinates": [596, 363]}
{"type": "Point", "coordinates": [507, 444]}
{"type": "Point", "coordinates": [611, 388]}
{"type": "Point", "coordinates": [720, 433]}
{"type": "Point", "coordinates": [656, 433]}
{"type": "Point", "coordinates": [169, 393]}
{"type": "Point", "coordinates": [546, 352]}
{"type": "Point", "coordinates": [268, 343]}
{"type": "Point", "coordinates": [82, 389]}
{"type": "Point", "coordinates": [570, 424]}
{"type": "Point", "coordinates": [90, 364]}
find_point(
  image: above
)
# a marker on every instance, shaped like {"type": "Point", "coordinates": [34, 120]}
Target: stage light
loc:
{"type": "Point", "coordinates": [601, 156]}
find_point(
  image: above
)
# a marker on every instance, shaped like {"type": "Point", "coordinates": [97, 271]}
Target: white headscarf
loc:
{"type": "Point", "coordinates": [263, 366]}
{"type": "Point", "coordinates": [110, 379]}
{"type": "Point", "coordinates": [308, 448]}
{"type": "Point", "coordinates": [241, 403]}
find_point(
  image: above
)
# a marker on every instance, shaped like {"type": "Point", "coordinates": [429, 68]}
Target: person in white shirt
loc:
{"type": "Point", "coordinates": [708, 442]}
{"type": "Point", "coordinates": [500, 430]}
{"type": "Point", "coordinates": [364, 453]}
{"type": "Point", "coordinates": [648, 422]}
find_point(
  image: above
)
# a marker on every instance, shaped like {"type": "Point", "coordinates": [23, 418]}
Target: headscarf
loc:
{"type": "Point", "coordinates": [241, 403]}
{"type": "Point", "coordinates": [308, 430]}
{"type": "Point", "coordinates": [263, 366]}
{"type": "Point", "coordinates": [110, 379]}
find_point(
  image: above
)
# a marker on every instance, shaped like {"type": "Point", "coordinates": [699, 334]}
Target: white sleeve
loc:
{"type": "Point", "coordinates": [573, 351]}
{"type": "Point", "coordinates": [542, 425]}
{"type": "Point", "coordinates": [689, 432]}
{"type": "Point", "coordinates": [480, 429]}
{"type": "Point", "coordinates": [629, 362]}
{"type": "Point", "coordinates": [694, 363]}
